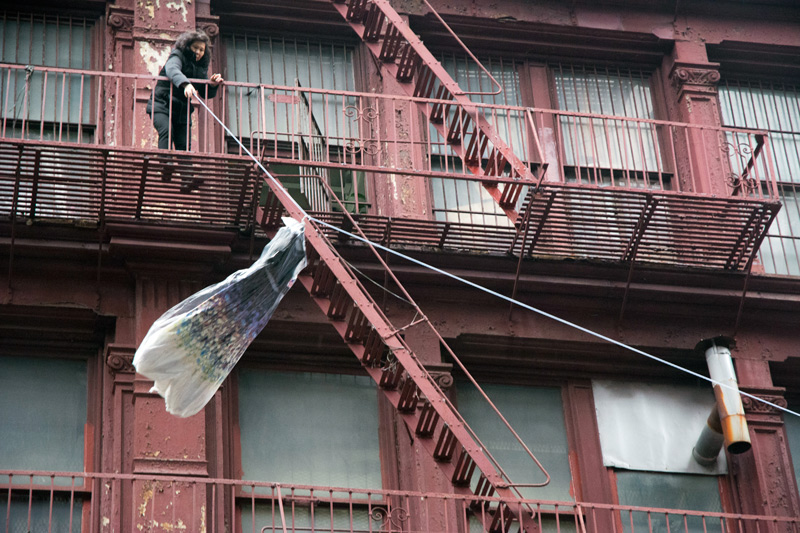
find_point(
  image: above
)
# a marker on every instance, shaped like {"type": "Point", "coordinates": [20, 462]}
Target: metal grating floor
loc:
{"type": "Point", "coordinates": [95, 184]}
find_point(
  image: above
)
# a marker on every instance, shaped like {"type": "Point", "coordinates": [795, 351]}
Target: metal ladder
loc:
{"type": "Point", "coordinates": [404, 57]}
{"type": "Point", "coordinates": [398, 372]}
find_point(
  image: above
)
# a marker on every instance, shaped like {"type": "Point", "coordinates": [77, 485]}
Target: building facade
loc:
{"type": "Point", "coordinates": [630, 168]}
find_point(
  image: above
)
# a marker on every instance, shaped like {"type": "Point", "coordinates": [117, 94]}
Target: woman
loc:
{"type": "Point", "coordinates": [188, 59]}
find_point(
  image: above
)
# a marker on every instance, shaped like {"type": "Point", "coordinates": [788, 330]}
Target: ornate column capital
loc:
{"type": "Point", "coordinates": [119, 358]}
{"type": "Point", "coordinates": [771, 395]}
{"type": "Point", "coordinates": [697, 78]}
{"type": "Point", "coordinates": [119, 19]}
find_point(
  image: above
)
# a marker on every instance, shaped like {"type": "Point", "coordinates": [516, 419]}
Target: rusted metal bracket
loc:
{"type": "Point", "coordinates": [633, 245]}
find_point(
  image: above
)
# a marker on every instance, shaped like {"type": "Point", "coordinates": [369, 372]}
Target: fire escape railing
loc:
{"type": "Point", "coordinates": [88, 502]}
{"type": "Point", "coordinates": [361, 131]}
{"type": "Point", "coordinates": [79, 145]}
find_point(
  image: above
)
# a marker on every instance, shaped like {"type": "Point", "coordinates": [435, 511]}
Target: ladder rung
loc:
{"type": "Point", "coordinates": [324, 281]}
{"type": "Point", "coordinates": [477, 144]}
{"type": "Point", "coordinates": [483, 489]}
{"type": "Point", "coordinates": [428, 418]}
{"type": "Point", "coordinates": [460, 123]}
{"type": "Point", "coordinates": [501, 519]}
{"type": "Point", "coordinates": [408, 397]}
{"type": "Point", "coordinates": [358, 327]}
{"type": "Point", "coordinates": [374, 348]}
{"type": "Point", "coordinates": [445, 446]}
{"type": "Point", "coordinates": [340, 303]}
{"type": "Point", "coordinates": [438, 110]}
{"type": "Point", "coordinates": [373, 24]}
{"type": "Point", "coordinates": [510, 194]}
{"type": "Point", "coordinates": [391, 44]}
{"type": "Point", "coordinates": [425, 83]}
{"type": "Point", "coordinates": [464, 469]}
{"type": "Point", "coordinates": [356, 10]}
{"type": "Point", "coordinates": [408, 64]}
{"type": "Point", "coordinates": [390, 378]}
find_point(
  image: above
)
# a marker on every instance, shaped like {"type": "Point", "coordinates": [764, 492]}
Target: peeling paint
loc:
{"type": "Point", "coordinates": [179, 6]}
{"type": "Point", "coordinates": [153, 57]}
{"type": "Point", "coordinates": [106, 521]}
{"type": "Point", "coordinates": [203, 519]}
{"type": "Point", "coordinates": [147, 495]}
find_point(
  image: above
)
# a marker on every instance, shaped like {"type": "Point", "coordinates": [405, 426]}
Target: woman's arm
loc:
{"type": "Point", "coordinates": [174, 69]}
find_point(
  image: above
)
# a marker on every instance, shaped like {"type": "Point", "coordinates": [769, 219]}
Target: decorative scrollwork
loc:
{"type": "Point", "coordinates": [120, 358]}
{"type": "Point", "coordinates": [741, 149]}
{"type": "Point", "coordinates": [753, 406]}
{"type": "Point", "coordinates": [396, 517]}
{"type": "Point", "coordinates": [368, 113]}
{"type": "Point", "coordinates": [120, 20]}
{"type": "Point", "coordinates": [744, 185]}
{"type": "Point", "coordinates": [354, 146]}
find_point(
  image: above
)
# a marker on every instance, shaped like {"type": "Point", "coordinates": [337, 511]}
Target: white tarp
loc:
{"type": "Point", "coordinates": [652, 426]}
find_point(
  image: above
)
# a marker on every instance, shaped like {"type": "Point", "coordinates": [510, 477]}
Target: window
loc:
{"type": "Point", "coordinates": [647, 433]}
{"type": "Point", "coordinates": [792, 424]}
{"type": "Point", "coordinates": [465, 200]}
{"type": "Point", "coordinates": [537, 415]}
{"type": "Point", "coordinates": [295, 123]}
{"type": "Point", "coordinates": [43, 406]}
{"type": "Point", "coordinates": [55, 106]}
{"type": "Point", "coordinates": [308, 429]}
{"type": "Point", "coordinates": [602, 150]}
{"type": "Point", "coordinates": [775, 108]}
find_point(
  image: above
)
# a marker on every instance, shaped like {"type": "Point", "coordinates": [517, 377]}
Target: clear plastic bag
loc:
{"type": "Point", "coordinates": [191, 349]}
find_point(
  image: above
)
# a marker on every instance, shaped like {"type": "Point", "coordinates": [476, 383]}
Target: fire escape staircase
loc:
{"type": "Point", "coordinates": [404, 57]}
{"type": "Point", "coordinates": [398, 372]}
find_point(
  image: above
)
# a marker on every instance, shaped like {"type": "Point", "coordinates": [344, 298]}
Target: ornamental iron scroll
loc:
{"type": "Point", "coordinates": [744, 183]}
{"type": "Point", "coordinates": [394, 517]}
{"type": "Point", "coordinates": [355, 147]}
{"type": "Point", "coordinates": [368, 113]}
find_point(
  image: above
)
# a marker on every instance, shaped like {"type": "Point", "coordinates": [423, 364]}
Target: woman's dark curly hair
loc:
{"type": "Point", "coordinates": [185, 40]}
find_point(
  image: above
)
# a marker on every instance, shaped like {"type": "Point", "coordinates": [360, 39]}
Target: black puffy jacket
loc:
{"type": "Point", "coordinates": [179, 68]}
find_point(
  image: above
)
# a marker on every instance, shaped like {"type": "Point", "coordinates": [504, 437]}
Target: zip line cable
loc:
{"type": "Point", "coordinates": [491, 292]}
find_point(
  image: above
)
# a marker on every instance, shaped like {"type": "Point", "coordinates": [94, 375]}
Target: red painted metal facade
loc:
{"type": "Point", "coordinates": [647, 229]}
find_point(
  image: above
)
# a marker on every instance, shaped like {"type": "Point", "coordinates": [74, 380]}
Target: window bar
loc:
{"type": "Point", "coordinates": [578, 131]}
{"type": "Point", "coordinates": [44, 106]}
{"type": "Point", "coordinates": [311, 500]}
{"type": "Point", "coordinates": [71, 501]}
{"type": "Point", "coordinates": [330, 507]}
{"type": "Point", "coordinates": [80, 108]}
{"type": "Point", "coordinates": [50, 506]}
{"type": "Point", "coordinates": [8, 90]}
{"type": "Point", "coordinates": [592, 125]}
{"type": "Point", "coordinates": [658, 155]}
{"type": "Point", "coordinates": [61, 111]}
{"type": "Point", "coordinates": [609, 151]}
{"type": "Point", "coordinates": [620, 126]}
{"type": "Point", "coordinates": [25, 105]}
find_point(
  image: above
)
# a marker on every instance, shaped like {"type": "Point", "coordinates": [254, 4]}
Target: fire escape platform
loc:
{"type": "Point", "coordinates": [94, 185]}
{"type": "Point", "coordinates": [612, 224]}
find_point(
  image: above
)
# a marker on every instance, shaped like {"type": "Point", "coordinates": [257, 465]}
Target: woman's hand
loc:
{"type": "Point", "coordinates": [189, 91]}
{"type": "Point", "coordinates": [216, 79]}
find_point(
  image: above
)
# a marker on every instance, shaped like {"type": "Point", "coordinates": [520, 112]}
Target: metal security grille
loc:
{"type": "Point", "coordinates": [467, 201]}
{"type": "Point", "coordinates": [600, 149]}
{"type": "Point", "coordinates": [38, 104]}
{"type": "Point", "coordinates": [287, 62]}
{"type": "Point", "coordinates": [269, 104]}
{"type": "Point", "coordinates": [774, 107]}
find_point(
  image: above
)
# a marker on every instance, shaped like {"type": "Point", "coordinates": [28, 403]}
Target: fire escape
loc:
{"type": "Point", "coordinates": [542, 221]}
